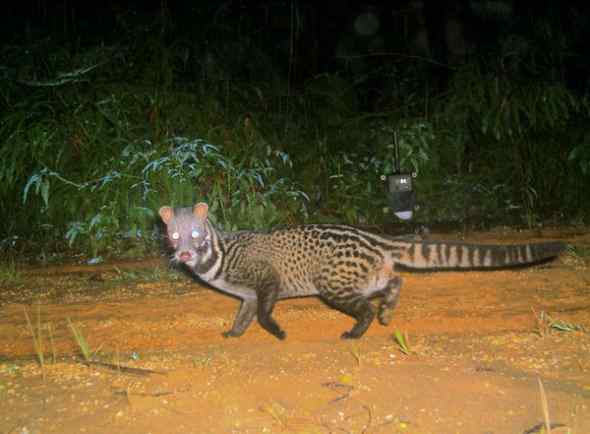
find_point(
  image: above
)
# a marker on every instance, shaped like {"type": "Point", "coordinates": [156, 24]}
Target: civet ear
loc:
{"type": "Point", "coordinates": [166, 213]}
{"type": "Point", "coordinates": [201, 210]}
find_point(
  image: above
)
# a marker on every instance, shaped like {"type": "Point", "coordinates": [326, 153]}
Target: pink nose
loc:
{"type": "Point", "coordinates": [185, 256]}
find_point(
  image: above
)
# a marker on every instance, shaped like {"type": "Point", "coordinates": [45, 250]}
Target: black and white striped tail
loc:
{"type": "Point", "coordinates": [449, 255]}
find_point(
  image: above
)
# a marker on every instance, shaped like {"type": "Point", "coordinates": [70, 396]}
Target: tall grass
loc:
{"type": "Point", "coordinates": [503, 125]}
{"type": "Point", "coordinates": [242, 192]}
{"type": "Point", "coordinates": [95, 138]}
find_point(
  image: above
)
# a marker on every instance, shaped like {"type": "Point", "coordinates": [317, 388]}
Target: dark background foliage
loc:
{"type": "Point", "coordinates": [277, 112]}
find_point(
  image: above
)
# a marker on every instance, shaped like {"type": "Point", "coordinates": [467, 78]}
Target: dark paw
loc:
{"type": "Point", "coordinates": [274, 329]}
{"type": "Point", "coordinates": [385, 316]}
{"type": "Point", "coordinates": [349, 335]}
{"type": "Point", "coordinates": [231, 334]}
{"type": "Point", "coordinates": [280, 335]}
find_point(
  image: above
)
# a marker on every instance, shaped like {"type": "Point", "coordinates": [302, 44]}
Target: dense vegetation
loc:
{"type": "Point", "coordinates": [96, 136]}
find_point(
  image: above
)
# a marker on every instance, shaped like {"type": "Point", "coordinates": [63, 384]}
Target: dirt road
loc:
{"type": "Point", "coordinates": [479, 343]}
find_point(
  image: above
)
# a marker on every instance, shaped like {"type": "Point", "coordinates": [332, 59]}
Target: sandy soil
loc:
{"type": "Point", "coordinates": [480, 345]}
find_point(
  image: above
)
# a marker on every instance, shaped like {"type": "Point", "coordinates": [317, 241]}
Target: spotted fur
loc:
{"type": "Point", "coordinates": [343, 265]}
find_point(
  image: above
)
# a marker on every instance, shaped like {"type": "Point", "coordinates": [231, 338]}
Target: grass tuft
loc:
{"type": "Point", "coordinates": [81, 341]}
{"type": "Point", "coordinates": [402, 341]}
{"type": "Point", "coordinates": [544, 406]}
{"type": "Point", "coordinates": [545, 324]}
{"type": "Point", "coordinates": [37, 336]}
{"type": "Point", "coordinates": [10, 275]}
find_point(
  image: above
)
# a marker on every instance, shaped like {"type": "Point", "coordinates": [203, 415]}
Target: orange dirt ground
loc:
{"type": "Point", "coordinates": [481, 343]}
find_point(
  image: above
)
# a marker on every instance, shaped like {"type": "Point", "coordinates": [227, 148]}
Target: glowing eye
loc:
{"type": "Point", "coordinates": [175, 236]}
{"type": "Point", "coordinates": [195, 234]}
